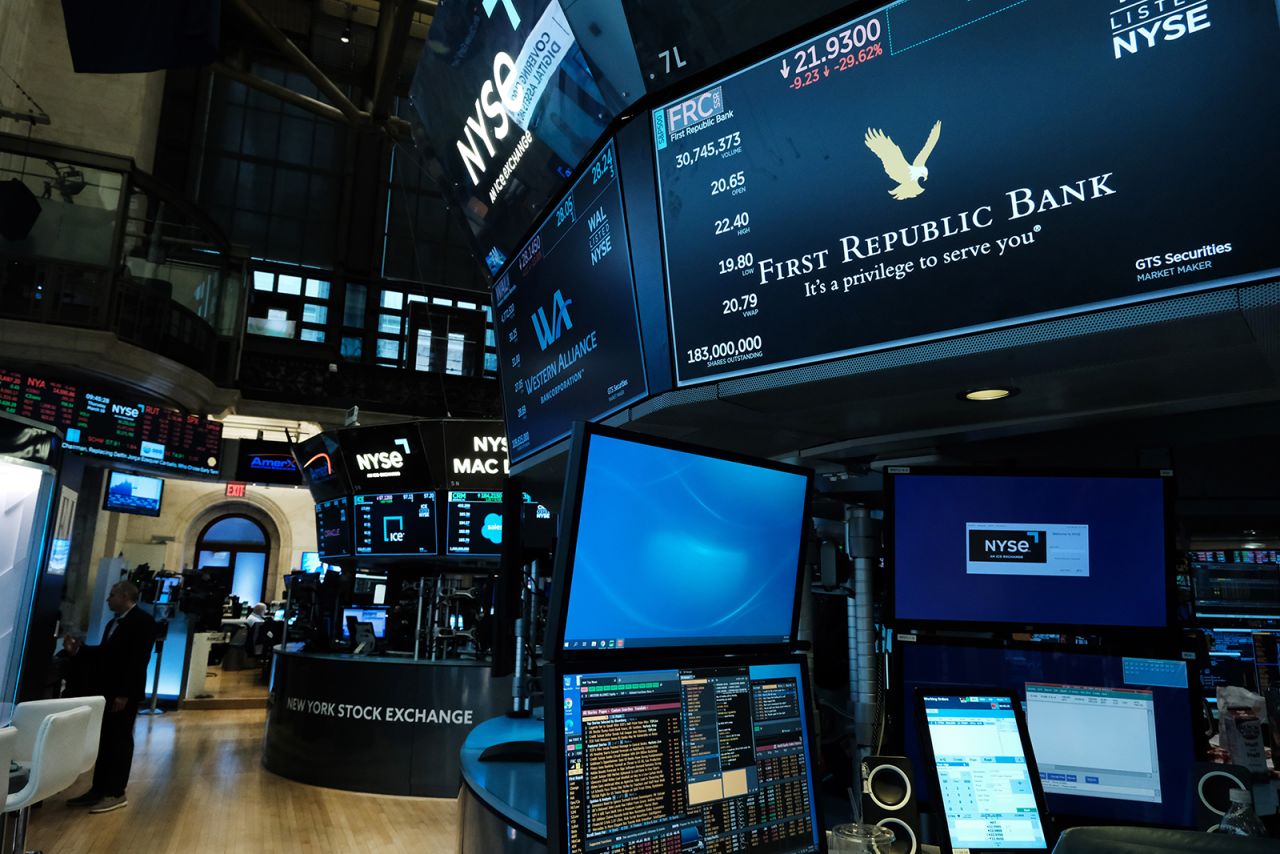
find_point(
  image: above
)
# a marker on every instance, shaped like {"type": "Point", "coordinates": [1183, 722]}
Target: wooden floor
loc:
{"type": "Point", "coordinates": [228, 684]}
{"type": "Point", "coordinates": [198, 787]}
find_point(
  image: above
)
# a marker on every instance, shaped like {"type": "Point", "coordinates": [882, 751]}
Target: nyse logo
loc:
{"type": "Point", "coordinates": [1001, 546]}
{"type": "Point", "coordinates": [549, 331]}
{"type": "Point", "coordinates": [380, 461]}
{"type": "Point", "coordinates": [1141, 25]}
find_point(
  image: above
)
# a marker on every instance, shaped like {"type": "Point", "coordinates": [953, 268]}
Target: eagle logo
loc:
{"type": "Point", "coordinates": [908, 175]}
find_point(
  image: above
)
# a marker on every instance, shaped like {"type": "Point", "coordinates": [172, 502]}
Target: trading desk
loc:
{"type": "Point", "coordinates": [370, 724]}
{"type": "Point", "coordinates": [502, 808]}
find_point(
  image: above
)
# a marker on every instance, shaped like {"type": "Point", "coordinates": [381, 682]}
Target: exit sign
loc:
{"type": "Point", "coordinates": [236, 490]}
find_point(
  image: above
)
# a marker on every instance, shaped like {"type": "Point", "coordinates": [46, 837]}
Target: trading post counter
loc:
{"type": "Point", "coordinates": [370, 724]}
{"type": "Point", "coordinates": [503, 804]}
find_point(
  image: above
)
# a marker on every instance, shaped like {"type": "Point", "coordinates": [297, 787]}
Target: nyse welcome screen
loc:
{"type": "Point", "coordinates": [1066, 550]}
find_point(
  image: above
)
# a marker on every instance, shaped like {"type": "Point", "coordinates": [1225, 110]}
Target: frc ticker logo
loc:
{"type": "Point", "coordinates": [908, 175]}
{"type": "Point", "coordinates": [699, 108]}
{"type": "Point", "coordinates": [549, 331]}
{"type": "Point", "coordinates": [992, 546]}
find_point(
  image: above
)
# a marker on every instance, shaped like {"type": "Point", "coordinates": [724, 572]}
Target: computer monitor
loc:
{"type": "Point", "coordinates": [133, 493]}
{"type": "Point", "coordinates": [978, 753]}
{"type": "Point", "coordinates": [682, 755]}
{"type": "Point", "coordinates": [969, 547]}
{"type": "Point", "coordinates": [1113, 730]}
{"type": "Point", "coordinates": [398, 523]}
{"type": "Point", "coordinates": [333, 527]}
{"type": "Point", "coordinates": [664, 544]}
{"type": "Point", "coordinates": [310, 563]}
{"type": "Point", "coordinates": [1242, 657]}
{"type": "Point", "coordinates": [376, 616]}
{"type": "Point", "coordinates": [474, 524]}
{"type": "Point", "coordinates": [1240, 585]}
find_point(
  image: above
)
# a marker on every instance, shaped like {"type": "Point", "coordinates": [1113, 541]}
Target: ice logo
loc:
{"type": "Point", "coordinates": [492, 528]}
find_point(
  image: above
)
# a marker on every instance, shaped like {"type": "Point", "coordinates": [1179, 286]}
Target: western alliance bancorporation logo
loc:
{"type": "Point", "coordinates": [549, 331]}
{"type": "Point", "coordinates": [1022, 546]}
{"type": "Point", "coordinates": [908, 175]}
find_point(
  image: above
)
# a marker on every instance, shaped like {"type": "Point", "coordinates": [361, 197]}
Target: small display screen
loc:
{"type": "Point", "coordinates": [311, 563]}
{"type": "Point", "coordinates": [475, 522]}
{"type": "Point", "coordinates": [690, 759]}
{"type": "Point", "coordinates": [675, 548]}
{"type": "Point", "coordinates": [1112, 734]}
{"type": "Point", "coordinates": [1236, 584]}
{"type": "Point", "coordinates": [402, 523]}
{"type": "Point", "coordinates": [133, 493]}
{"type": "Point", "coordinates": [377, 617]}
{"type": "Point", "coordinates": [1025, 549]}
{"type": "Point", "coordinates": [987, 791]}
{"type": "Point", "coordinates": [333, 527]}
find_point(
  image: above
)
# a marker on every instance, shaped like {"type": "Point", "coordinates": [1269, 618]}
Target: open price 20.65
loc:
{"type": "Point", "coordinates": [725, 348]}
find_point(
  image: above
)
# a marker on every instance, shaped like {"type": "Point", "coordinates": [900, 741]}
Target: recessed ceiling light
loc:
{"type": "Point", "coordinates": [988, 393]}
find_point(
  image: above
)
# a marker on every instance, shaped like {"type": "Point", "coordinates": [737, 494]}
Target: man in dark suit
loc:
{"type": "Point", "coordinates": [115, 669]}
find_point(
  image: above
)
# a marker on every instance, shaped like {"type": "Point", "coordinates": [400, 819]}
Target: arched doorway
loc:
{"type": "Point", "coordinates": [241, 545]}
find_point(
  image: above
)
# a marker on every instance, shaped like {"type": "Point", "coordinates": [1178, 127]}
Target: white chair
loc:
{"type": "Point", "coordinates": [56, 761]}
{"type": "Point", "coordinates": [28, 716]}
{"type": "Point", "coordinates": [8, 741]}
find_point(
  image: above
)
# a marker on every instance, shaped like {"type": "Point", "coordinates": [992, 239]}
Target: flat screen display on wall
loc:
{"type": "Point", "coordinates": [1025, 549]}
{"type": "Point", "coordinates": [565, 317]}
{"type": "Point", "coordinates": [113, 427]}
{"type": "Point", "coordinates": [133, 493]}
{"type": "Point", "coordinates": [937, 167]}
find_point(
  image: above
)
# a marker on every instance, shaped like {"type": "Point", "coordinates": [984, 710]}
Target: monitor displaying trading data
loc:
{"type": "Point", "coordinates": [565, 317]}
{"type": "Point", "coordinates": [678, 547]}
{"type": "Point", "coordinates": [983, 773]}
{"type": "Point", "coordinates": [868, 186]}
{"type": "Point", "coordinates": [474, 524]}
{"type": "Point", "coordinates": [1026, 549]}
{"type": "Point", "coordinates": [333, 527]}
{"type": "Point", "coordinates": [1113, 734]}
{"type": "Point", "coordinates": [714, 759]}
{"type": "Point", "coordinates": [1235, 584]}
{"type": "Point", "coordinates": [396, 524]}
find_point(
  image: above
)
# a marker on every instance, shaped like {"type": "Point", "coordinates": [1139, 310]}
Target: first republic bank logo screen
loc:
{"type": "Point", "coordinates": [1020, 548]}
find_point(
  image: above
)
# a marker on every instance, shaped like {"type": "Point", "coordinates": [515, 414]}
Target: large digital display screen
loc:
{"type": "Point", "coordinates": [565, 317]}
{"type": "Point", "coordinates": [474, 525]}
{"type": "Point", "coordinates": [1112, 734]}
{"type": "Point", "coordinates": [676, 548]}
{"type": "Point", "coordinates": [686, 759]}
{"type": "Point", "coordinates": [333, 527]}
{"type": "Point", "coordinates": [133, 493]}
{"type": "Point", "coordinates": [260, 461]}
{"type": "Point", "coordinates": [401, 523]}
{"type": "Point", "coordinates": [937, 167]}
{"type": "Point", "coordinates": [113, 427]}
{"type": "Point", "coordinates": [510, 104]}
{"type": "Point", "coordinates": [1052, 550]}
{"type": "Point", "coordinates": [385, 458]}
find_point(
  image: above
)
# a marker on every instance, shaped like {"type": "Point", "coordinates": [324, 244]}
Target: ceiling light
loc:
{"type": "Point", "coordinates": [989, 393]}
{"type": "Point", "coordinates": [345, 38]}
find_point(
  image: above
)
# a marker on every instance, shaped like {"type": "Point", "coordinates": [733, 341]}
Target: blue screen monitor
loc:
{"type": "Point", "coordinates": [687, 757]}
{"type": "Point", "coordinates": [311, 563]}
{"type": "Point", "coordinates": [667, 545]}
{"type": "Point", "coordinates": [1077, 550]}
{"type": "Point", "coordinates": [133, 493]}
{"type": "Point", "coordinates": [1113, 732]}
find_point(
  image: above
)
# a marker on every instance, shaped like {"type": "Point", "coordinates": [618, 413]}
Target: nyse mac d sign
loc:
{"type": "Point", "coordinates": [475, 454]}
